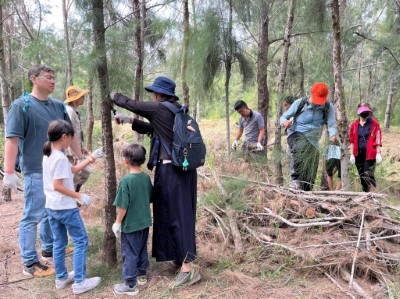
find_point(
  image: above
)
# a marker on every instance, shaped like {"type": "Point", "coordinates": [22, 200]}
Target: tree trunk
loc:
{"type": "Point", "coordinates": [4, 87]}
{"type": "Point", "coordinates": [228, 69]}
{"type": "Point", "coordinates": [138, 50]}
{"type": "Point", "coordinates": [185, 87]}
{"type": "Point", "coordinates": [301, 83]}
{"type": "Point", "coordinates": [89, 115]}
{"type": "Point", "coordinates": [68, 69]}
{"type": "Point", "coordinates": [262, 65]}
{"type": "Point", "coordinates": [342, 122]}
{"type": "Point", "coordinates": [280, 88]}
{"type": "Point", "coordinates": [389, 103]}
{"type": "Point", "coordinates": [138, 80]}
{"type": "Point", "coordinates": [109, 247]}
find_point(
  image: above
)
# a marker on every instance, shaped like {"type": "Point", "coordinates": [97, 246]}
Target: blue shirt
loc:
{"type": "Point", "coordinates": [31, 126]}
{"type": "Point", "coordinates": [310, 122]}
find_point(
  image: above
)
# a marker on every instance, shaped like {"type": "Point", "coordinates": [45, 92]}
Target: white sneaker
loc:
{"type": "Point", "coordinates": [86, 285]}
{"type": "Point", "coordinates": [62, 283]}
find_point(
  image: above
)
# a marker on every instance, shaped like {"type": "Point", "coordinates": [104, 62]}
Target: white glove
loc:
{"type": "Point", "coordinates": [378, 158]}
{"type": "Point", "coordinates": [352, 159]}
{"type": "Point", "coordinates": [116, 228]}
{"type": "Point", "coordinates": [260, 146]}
{"type": "Point", "coordinates": [234, 145]}
{"type": "Point", "coordinates": [85, 199]}
{"type": "Point", "coordinates": [121, 118]}
{"type": "Point", "coordinates": [98, 153]}
{"type": "Point", "coordinates": [12, 181]}
{"type": "Point", "coordinates": [112, 95]}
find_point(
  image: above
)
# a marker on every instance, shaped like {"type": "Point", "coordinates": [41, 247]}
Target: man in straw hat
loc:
{"type": "Point", "coordinates": [304, 121]}
{"type": "Point", "coordinates": [75, 98]}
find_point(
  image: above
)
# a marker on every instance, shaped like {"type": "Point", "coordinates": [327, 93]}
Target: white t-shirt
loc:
{"type": "Point", "coordinates": [56, 167]}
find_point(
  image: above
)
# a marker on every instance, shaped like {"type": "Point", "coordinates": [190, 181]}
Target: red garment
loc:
{"type": "Point", "coordinates": [374, 138]}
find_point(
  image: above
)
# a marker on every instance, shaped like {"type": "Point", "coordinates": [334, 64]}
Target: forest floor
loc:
{"type": "Point", "coordinates": [255, 272]}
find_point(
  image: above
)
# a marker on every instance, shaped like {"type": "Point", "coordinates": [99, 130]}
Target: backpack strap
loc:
{"type": "Point", "coordinates": [171, 107]}
{"type": "Point", "coordinates": [326, 111]}
{"type": "Point", "coordinates": [303, 102]}
{"type": "Point", "coordinates": [25, 102]}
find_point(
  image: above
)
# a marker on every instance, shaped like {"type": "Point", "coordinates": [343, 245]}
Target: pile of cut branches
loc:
{"type": "Point", "coordinates": [349, 237]}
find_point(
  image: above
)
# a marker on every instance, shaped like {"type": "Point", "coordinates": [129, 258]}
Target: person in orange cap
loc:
{"type": "Point", "coordinates": [304, 121]}
{"type": "Point", "coordinates": [75, 97]}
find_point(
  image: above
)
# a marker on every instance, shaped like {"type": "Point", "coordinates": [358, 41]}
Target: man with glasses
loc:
{"type": "Point", "coordinates": [251, 123]}
{"type": "Point", "coordinates": [26, 132]}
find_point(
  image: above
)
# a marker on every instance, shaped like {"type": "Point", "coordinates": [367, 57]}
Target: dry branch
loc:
{"type": "Point", "coordinates": [356, 251]}
{"type": "Point", "coordinates": [324, 223]}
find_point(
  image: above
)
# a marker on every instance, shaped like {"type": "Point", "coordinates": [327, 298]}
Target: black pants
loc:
{"type": "Point", "coordinates": [174, 211]}
{"type": "Point", "coordinates": [366, 169]}
{"type": "Point", "coordinates": [305, 157]}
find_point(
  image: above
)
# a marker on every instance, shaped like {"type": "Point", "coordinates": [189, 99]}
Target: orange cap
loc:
{"type": "Point", "coordinates": [319, 93]}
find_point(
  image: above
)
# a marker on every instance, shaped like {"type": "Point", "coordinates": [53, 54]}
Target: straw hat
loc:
{"type": "Point", "coordinates": [74, 93]}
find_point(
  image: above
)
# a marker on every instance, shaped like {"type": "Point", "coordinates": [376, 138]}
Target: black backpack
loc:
{"type": "Point", "coordinates": [188, 149]}
{"type": "Point", "coordinates": [304, 101]}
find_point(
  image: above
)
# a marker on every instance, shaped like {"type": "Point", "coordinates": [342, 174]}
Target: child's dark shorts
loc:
{"type": "Point", "coordinates": [331, 165]}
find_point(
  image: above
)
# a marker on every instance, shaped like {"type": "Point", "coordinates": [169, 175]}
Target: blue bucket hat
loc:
{"type": "Point", "coordinates": [163, 85]}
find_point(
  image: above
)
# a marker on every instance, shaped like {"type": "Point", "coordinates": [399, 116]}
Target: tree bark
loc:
{"type": "Point", "coordinates": [185, 48]}
{"type": "Point", "coordinates": [4, 87]}
{"type": "Point", "coordinates": [139, 41]}
{"type": "Point", "coordinates": [89, 115]}
{"type": "Point", "coordinates": [262, 64]}
{"type": "Point", "coordinates": [68, 69]}
{"type": "Point", "coordinates": [228, 69]}
{"type": "Point", "coordinates": [342, 122]}
{"type": "Point", "coordinates": [389, 103]}
{"type": "Point", "coordinates": [280, 88]}
{"type": "Point", "coordinates": [109, 247]}
{"type": "Point", "coordinates": [301, 83]}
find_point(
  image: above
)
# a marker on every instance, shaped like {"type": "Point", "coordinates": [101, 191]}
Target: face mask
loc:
{"type": "Point", "coordinates": [364, 115]}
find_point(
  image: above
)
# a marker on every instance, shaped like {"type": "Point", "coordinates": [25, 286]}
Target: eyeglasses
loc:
{"type": "Point", "coordinates": [48, 78]}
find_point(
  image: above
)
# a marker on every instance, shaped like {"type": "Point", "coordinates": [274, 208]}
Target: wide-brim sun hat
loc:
{"type": "Point", "coordinates": [74, 93]}
{"type": "Point", "coordinates": [319, 93]}
{"type": "Point", "coordinates": [163, 85]}
{"type": "Point", "coordinates": [363, 109]}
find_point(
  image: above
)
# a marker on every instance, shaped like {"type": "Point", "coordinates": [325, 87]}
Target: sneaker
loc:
{"type": "Point", "coordinates": [62, 283]}
{"type": "Point", "coordinates": [142, 280]}
{"type": "Point", "coordinates": [49, 254]}
{"type": "Point", "coordinates": [38, 270]}
{"type": "Point", "coordinates": [187, 278]}
{"type": "Point", "coordinates": [86, 285]}
{"type": "Point", "coordinates": [123, 289]}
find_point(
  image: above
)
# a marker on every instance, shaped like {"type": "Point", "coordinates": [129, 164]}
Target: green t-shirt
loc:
{"type": "Point", "coordinates": [134, 193]}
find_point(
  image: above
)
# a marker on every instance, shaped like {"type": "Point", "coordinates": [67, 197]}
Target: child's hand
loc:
{"type": "Point", "coordinates": [116, 228]}
{"type": "Point", "coordinates": [85, 199]}
{"type": "Point", "coordinates": [91, 159]}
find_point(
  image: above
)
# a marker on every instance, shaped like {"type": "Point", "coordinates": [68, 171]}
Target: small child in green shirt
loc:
{"type": "Point", "coordinates": [133, 221]}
